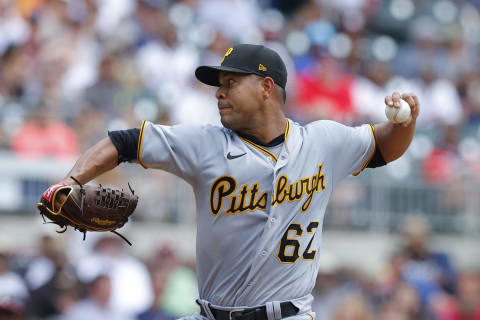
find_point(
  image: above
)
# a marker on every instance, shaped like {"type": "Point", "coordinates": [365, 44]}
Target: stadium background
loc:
{"type": "Point", "coordinates": [402, 243]}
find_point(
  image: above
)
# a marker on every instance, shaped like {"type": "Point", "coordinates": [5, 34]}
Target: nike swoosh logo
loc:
{"type": "Point", "coordinates": [230, 157]}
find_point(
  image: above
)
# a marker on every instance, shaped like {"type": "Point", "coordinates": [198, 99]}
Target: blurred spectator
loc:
{"type": "Point", "coordinates": [53, 295]}
{"type": "Point", "coordinates": [159, 277]}
{"type": "Point", "coordinates": [391, 277]}
{"type": "Point", "coordinates": [12, 286]}
{"type": "Point", "coordinates": [198, 105]}
{"type": "Point", "coordinates": [429, 272]}
{"type": "Point", "coordinates": [90, 126]}
{"type": "Point", "coordinates": [424, 51]}
{"type": "Point", "coordinates": [325, 91]}
{"type": "Point", "coordinates": [471, 88]}
{"type": "Point", "coordinates": [461, 57]}
{"type": "Point", "coordinates": [105, 91]}
{"type": "Point", "coordinates": [42, 268]}
{"type": "Point", "coordinates": [407, 302]}
{"type": "Point", "coordinates": [354, 307]}
{"type": "Point", "coordinates": [439, 100]}
{"type": "Point", "coordinates": [11, 309]}
{"type": "Point", "coordinates": [235, 18]}
{"type": "Point", "coordinates": [369, 91]}
{"type": "Point", "coordinates": [466, 306]}
{"type": "Point", "coordinates": [334, 285]}
{"type": "Point", "coordinates": [166, 64]}
{"type": "Point", "coordinates": [404, 304]}
{"type": "Point", "coordinates": [44, 136]}
{"type": "Point", "coordinates": [443, 163]}
{"type": "Point", "coordinates": [96, 305]}
{"type": "Point", "coordinates": [180, 290]}
{"type": "Point", "coordinates": [13, 29]}
{"type": "Point", "coordinates": [126, 274]}
{"type": "Point", "coordinates": [16, 66]}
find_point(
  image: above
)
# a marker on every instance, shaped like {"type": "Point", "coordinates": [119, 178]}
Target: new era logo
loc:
{"type": "Point", "coordinates": [261, 67]}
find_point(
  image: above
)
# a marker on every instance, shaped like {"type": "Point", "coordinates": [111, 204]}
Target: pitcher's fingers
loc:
{"type": "Point", "coordinates": [417, 102]}
{"type": "Point", "coordinates": [409, 99]}
{"type": "Point", "coordinates": [389, 101]}
{"type": "Point", "coordinates": [415, 107]}
{"type": "Point", "coordinates": [396, 99]}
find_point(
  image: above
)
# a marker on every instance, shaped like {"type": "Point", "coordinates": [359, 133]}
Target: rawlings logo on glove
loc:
{"type": "Point", "coordinates": [87, 208]}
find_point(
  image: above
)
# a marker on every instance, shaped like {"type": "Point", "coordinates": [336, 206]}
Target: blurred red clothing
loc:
{"type": "Point", "coordinates": [438, 166]}
{"type": "Point", "coordinates": [455, 313]}
{"type": "Point", "coordinates": [334, 94]}
{"type": "Point", "coordinates": [54, 139]}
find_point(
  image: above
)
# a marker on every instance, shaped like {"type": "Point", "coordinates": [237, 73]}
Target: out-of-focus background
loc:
{"type": "Point", "coordinates": [400, 242]}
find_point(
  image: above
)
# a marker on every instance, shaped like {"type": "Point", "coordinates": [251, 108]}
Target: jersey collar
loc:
{"type": "Point", "coordinates": [275, 142]}
{"type": "Point", "coordinates": [256, 143]}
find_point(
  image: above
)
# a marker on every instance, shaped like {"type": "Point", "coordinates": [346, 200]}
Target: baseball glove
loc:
{"type": "Point", "coordinates": [87, 207]}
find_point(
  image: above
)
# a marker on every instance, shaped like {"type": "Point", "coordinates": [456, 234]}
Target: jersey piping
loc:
{"type": "Point", "coordinates": [256, 146]}
{"type": "Point", "coordinates": [262, 149]}
{"type": "Point", "coordinates": [371, 155]}
{"type": "Point", "coordinates": [139, 149]}
{"type": "Point", "coordinates": [287, 130]}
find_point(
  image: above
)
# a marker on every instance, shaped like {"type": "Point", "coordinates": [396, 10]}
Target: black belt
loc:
{"type": "Point", "coordinates": [258, 313]}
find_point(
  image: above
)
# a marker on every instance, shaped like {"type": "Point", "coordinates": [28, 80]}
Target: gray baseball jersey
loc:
{"type": "Point", "coordinates": [259, 215]}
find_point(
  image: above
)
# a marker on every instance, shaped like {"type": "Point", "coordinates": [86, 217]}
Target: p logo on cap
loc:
{"type": "Point", "coordinates": [229, 51]}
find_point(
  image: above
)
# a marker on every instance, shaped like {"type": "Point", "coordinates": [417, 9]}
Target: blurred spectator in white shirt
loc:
{"type": "Point", "coordinates": [369, 92]}
{"type": "Point", "coordinates": [166, 64]}
{"type": "Point", "coordinates": [96, 305]}
{"type": "Point", "coordinates": [41, 269]}
{"type": "Point", "coordinates": [197, 105]}
{"type": "Point", "coordinates": [127, 275]}
{"type": "Point", "coordinates": [233, 17]}
{"type": "Point", "coordinates": [12, 286]}
{"type": "Point", "coordinates": [439, 99]}
{"type": "Point", "coordinates": [14, 30]}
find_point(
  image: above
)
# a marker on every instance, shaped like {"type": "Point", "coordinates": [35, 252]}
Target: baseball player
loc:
{"type": "Point", "coordinates": [261, 183]}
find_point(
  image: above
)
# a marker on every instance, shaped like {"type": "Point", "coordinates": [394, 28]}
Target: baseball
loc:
{"type": "Point", "coordinates": [398, 114]}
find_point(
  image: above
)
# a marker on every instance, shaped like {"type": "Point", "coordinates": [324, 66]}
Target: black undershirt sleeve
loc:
{"type": "Point", "coordinates": [377, 160]}
{"type": "Point", "coordinates": [126, 142]}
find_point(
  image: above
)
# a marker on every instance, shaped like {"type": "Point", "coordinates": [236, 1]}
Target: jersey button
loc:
{"type": "Point", "coordinates": [264, 252]}
{"type": "Point", "coordinates": [272, 220]}
{"type": "Point", "coordinates": [250, 284]}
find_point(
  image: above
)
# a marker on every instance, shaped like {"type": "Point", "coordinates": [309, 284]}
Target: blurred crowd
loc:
{"type": "Point", "coordinates": [71, 70]}
{"type": "Point", "coordinates": [108, 282]}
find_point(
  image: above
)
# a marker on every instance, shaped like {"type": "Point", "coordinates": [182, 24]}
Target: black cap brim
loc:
{"type": "Point", "coordinates": [209, 74]}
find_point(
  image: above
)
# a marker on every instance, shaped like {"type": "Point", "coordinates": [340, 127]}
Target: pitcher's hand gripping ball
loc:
{"type": "Point", "coordinates": [88, 207]}
{"type": "Point", "coordinates": [399, 114]}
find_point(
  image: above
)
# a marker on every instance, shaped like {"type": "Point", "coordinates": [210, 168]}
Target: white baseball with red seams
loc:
{"type": "Point", "coordinates": [398, 114]}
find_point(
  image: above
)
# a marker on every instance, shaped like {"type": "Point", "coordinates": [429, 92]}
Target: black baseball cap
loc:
{"type": "Point", "coordinates": [246, 59]}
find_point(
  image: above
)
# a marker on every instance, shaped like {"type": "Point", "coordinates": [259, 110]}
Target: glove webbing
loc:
{"type": "Point", "coordinates": [82, 192]}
